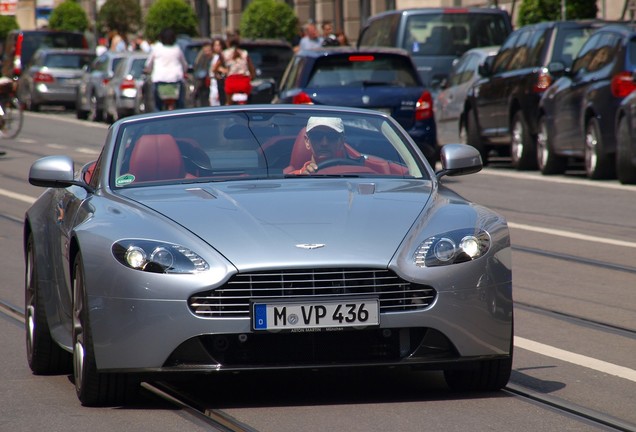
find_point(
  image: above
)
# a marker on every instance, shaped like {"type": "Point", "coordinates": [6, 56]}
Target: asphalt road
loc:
{"type": "Point", "coordinates": [574, 268]}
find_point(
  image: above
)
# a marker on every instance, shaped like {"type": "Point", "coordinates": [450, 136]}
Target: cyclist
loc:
{"type": "Point", "coordinates": [167, 65]}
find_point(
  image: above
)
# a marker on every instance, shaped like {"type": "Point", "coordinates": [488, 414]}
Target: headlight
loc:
{"type": "Point", "coordinates": [158, 257]}
{"type": "Point", "coordinates": [451, 248]}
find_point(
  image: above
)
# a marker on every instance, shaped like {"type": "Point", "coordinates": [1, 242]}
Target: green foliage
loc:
{"type": "Point", "coordinates": [175, 14]}
{"type": "Point", "coordinates": [534, 11]}
{"type": "Point", "coordinates": [268, 19]}
{"type": "Point", "coordinates": [121, 15]}
{"type": "Point", "coordinates": [69, 16]}
{"type": "Point", "coordinates": [7, 23]}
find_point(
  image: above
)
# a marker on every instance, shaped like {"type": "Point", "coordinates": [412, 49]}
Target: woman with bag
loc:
{"type": "Point", "coordinates": [239, 71]}
{"type": "Point", "coordinates": [217, 79]}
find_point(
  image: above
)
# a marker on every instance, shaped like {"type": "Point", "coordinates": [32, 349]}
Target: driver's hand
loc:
{"type": "Point", "coordinates": [310, 168]}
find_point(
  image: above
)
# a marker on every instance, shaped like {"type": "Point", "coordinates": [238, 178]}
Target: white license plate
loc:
{"type": "Point", "coordinates": [384, 110]}
{"type": "Point", "coordinates": [315, 315]}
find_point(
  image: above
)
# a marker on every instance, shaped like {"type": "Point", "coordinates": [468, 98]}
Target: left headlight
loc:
{"type": "Point", "coordinates": [451, 248]}
{"type": "Point", "coordinates": [158, 257]}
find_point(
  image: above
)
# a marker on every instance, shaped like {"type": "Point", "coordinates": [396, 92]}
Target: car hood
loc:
{"type": "Point", "coordinates": [297, 222]}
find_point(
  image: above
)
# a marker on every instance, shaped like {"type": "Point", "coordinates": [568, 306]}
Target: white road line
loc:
{"type": "Point", "coordinates": [563, 180]}
{"type": "Point", "coordinates": [572, 235]}
{"type": "Point", "coordinates": [86, 150]}
{"type": "Point", "coordinates": [577, 359]}
{"type": "Point", "coordinates": [19, 197]}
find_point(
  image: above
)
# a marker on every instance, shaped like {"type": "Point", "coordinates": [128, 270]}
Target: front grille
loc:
{"type": "Point", "coordinates": [232, 300]}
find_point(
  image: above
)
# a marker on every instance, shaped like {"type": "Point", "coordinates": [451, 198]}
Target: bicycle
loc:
{"type": "Point", "coordinates": [11, 111]}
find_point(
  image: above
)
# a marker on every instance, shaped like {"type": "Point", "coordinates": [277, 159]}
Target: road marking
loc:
{"type": "Point", "coordinates": [572, 235]}
{"type": "Point", "coordinates": [24, 198]}
{"type": "Point", "coordinates": [552, 179]}
{"type": "Point", "coordinates": [87, 150]}
{"type": "Point", "coordinates": [577, 359]}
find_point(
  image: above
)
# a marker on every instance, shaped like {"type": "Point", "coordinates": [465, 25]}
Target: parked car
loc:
{"type": "Point", "coordinates": [384, 79]}
{"type": "Point", "coordinates": [502, 108]}
{"type": "Point", "coordinates": [270, 58]}
{"type": "Point", "coordinates": [449, 101]}
{"type": "Point", "coordinates": [123, 94]}
{"type": "Point", "coordinates": [435, 37]}
{"type": "Point", "coordinates": [52, 77]}
{"type": "Point", "coordinates": [189, 246]}
{"type": "Point", "coordinates": [626, 139]}
{"type": "Point", "coordinates": [578, 113]}
{"type": "Point", "coordinates": [20, 45]}
{"type": "Point", "coordinates": [90, 92]}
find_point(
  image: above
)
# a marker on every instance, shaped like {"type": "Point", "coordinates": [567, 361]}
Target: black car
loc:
{"type": "Point", "coordinates": [383, 79]}
{"type": "Point", "coordinates": [501, 109]}
{"type": "Point", "coordinates": [270, 58]}
{"type": "Point", "coordinates": [436, 36]}
{"type": "Point", "coordinates": [626, 140]}
{"type": "Point", "coordinates": [578, 112]}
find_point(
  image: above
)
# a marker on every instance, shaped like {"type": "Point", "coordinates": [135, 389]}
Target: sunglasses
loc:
{"type": "Point", "coordinates": [317, 136]}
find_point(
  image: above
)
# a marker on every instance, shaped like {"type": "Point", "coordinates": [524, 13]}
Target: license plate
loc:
{"type": "Point", "coordinates": [384, 110]}
{"type": "Point", "coordinates": [300, 316]}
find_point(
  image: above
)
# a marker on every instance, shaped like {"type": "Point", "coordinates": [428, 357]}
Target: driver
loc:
{"type": "Point", "coordinates": [325, 139]}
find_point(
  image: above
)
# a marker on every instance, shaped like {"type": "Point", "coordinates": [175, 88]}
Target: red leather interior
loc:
{"type": "Point", "coordinates": [156, 157]}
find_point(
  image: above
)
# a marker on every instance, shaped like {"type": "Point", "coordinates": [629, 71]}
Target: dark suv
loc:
{"type": "Point", "coordinates": [501, 109]}
{"type": "Point", "coordinates": [577, 114]}
{"type": "Point", "coordinates": [20, 46]}
{"type": "Point", "coordinates": [383, 79]}
{"type": "Point", "coordinates": [435, 37]}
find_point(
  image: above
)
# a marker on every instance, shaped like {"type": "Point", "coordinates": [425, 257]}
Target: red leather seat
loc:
{"type": "Point", "coordinates": [156, 157]}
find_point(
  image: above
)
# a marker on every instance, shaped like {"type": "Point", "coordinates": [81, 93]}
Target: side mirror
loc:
{"type": "Point", "coordinates": [485, 69]}
{"type": "Point", "coordinates": [55, 172]}
{"type": "Point", "coordinates": [557, 69]}
{"type": "Point", "coordinates": [459, 159]}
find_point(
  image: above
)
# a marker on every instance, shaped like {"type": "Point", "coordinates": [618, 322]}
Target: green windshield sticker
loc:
{"type": "Point", "coordinates": [124, 180]}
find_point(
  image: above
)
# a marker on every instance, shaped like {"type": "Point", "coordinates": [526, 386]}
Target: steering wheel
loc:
{"type": "Point", "coordinates": [339, 161]}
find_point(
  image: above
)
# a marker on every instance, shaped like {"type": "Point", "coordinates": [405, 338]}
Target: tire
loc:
{"type": "Point", "coordinates": [598, 165]}
{"type": "Point", "coordinates": [488, 375]}
{"type": "Point", "coordinates": [547, 161]}
{"type": "Point", "coordinates": [625, 157]}
{"type": "Point", "coordinates": [92, 387]}
{"type": "Point", "coordinates": [473, 136]}
{"type": "Point", "coordinates": [13, 119]}
{"type": "Point", "coordinates": [44, 355]}
{"type": "Point", "coordinates": [523, 147]}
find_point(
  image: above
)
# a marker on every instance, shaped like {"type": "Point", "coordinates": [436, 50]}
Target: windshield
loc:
{"type": "Point", "coordinates": [452, 34]}
{"type": "Point", "coordinates": [239, 145]}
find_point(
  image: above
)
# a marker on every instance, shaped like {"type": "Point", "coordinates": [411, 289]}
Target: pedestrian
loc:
{"type": "Point", "coordinates": [201, 66]}
{"type": "Point", "coordinates": [217, 81]}
{"type": "Point", "coordinates": [312, 39]}
{"type": "Point", "coordinates": [236, 64]}
{"type": "Point", "coordinates": [342, 39]}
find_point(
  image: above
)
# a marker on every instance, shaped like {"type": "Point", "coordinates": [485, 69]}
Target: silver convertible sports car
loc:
{"type": "Point", "coordinates": [260, 237]}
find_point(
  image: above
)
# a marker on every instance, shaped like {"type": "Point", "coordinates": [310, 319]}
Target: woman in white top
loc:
{"type": "Point", "coordinates": [167, 64]}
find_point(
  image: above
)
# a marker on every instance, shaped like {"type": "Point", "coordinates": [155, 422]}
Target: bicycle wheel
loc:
{"type": "Point", "coordinates": [11, 122]}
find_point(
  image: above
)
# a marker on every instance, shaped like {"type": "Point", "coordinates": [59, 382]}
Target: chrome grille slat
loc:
{"type": "Point", "coordinates": [233, 298]}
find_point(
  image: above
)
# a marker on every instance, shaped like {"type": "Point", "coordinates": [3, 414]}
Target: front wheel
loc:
{"type": "Point", "coordinates": [487, 375]}
{"type": "Point", "coordinates": [12, 118]}
{"type": "Point", "coordinates": [92, 387]}
{"type": "Point", "coordinates": [625, 154]}
{"type": "Point", "coordinates": [473, 136]}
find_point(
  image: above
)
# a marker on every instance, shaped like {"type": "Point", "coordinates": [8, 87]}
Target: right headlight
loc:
{"type": "Point", "coordinates": [451, 248]}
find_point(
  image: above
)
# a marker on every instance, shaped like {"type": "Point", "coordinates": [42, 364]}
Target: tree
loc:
{"type": "Point", "coordinates": [268, 19]}
{"type": "Point", "coordinates": [121, 15]}
{"type": "Point", "coordinates": [69, 16]}
{"type": "Point", "coordinates": [175, 14]}
{"type": "Point", "coordinates": [534, 11]}
{"type": "Point", "coordinates": [7, 23]}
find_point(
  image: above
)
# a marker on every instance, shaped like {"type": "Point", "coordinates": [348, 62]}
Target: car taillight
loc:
{"type": "Point", "coordinates": [544, 80]}
{"type": "Point", "coordinates": [127, 84]}
{"type": "Point", "coordinates": [41, 77]}
{"type": "Point", "coordinates": [622, 84]}
{"type": "Point", "coordinates": [17, 58]}
{"type": "Point", "coordinates": [424, 107]}
{"type": "Point", "coordinates": [302, 98]}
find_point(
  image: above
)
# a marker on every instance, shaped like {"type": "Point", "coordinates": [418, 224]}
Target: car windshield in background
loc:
{"type": "Point", "coordinates": [222, 146]}
{"type": "Point", "coordinates": [452, 34]}
{"type": "Point", "coordinates": [68, 61]}
{"type": "Point", "coordinates": [137, 67]}
{"type": "Point", "coordinates": [355, 70]}
{"type": "Point", "coordinates": [568, 45]}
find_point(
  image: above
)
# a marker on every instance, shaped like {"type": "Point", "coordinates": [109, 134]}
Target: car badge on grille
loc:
{"type": "Point", "coordinates": [310, 245]}
{"type": "Point", "coordinates": [365, 99]}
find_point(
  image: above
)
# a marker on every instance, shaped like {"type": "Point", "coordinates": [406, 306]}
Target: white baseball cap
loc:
{"type": "Point", "coordinates": [334, 123]}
